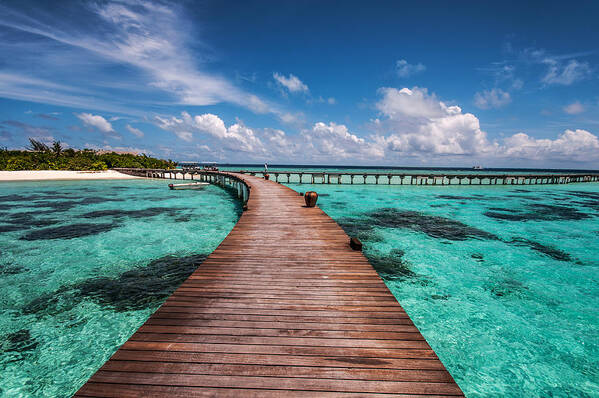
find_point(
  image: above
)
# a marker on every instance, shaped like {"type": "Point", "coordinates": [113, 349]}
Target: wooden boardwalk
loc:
{"type": "Point", "coordinates": [388, 177]}
{"type": "Point", "coordinates": [282, 308]}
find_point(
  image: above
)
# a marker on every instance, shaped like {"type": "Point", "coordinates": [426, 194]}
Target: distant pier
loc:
{"type": "Point", "coordinates": [284, 307]}
{"type": "Point", "coordinates": [325, 177]}
{"type": "Point", "coordinates": [378, 178]}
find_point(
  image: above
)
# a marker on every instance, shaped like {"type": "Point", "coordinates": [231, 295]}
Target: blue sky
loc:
{"type": "Point", "coordinates": [373, 83]}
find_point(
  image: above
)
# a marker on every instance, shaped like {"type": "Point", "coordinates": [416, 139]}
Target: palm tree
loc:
{"type": "Point", "coordinates": [38, 146]}
{"type": "Point", "coordinates": [57, 148]}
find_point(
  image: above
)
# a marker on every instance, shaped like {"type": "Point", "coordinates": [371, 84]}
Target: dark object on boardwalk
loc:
{"type": "Point", "coordinates": [244, 208]}
{"type": "Point", "coordinates": [311, 197]}
{"type": "Point", "coordinates": [301, 194]}
{"type": "Point", "coordinates": [266, 176]}
{"type": "Point", "coordinates": [355, 243]}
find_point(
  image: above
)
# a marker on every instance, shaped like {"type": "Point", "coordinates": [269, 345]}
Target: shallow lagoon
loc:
{"type": "Point", "coordinates": [83, 264]}
{"type": "Point", "coordinates": [502, 281]}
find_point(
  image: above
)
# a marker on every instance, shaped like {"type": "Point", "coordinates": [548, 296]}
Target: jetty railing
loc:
{"type": "Point", "coordinates": [223, 179]}
{"type": "Point", "coordinates": [378, 178]}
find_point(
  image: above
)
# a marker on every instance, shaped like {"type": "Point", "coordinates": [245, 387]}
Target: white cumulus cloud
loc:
{"type": "Point", "coordinates": [406, 103]}
{"type": "Point", "coordinates": [321, 142]}
{"type": "Point", "coordinates": [334, 141]}
{"type": "Point", "coordinates": [575, 145]}
{"type": "Point", "coordinates": [291, 83]}
{"type": "Point", "coordinates": [414, 127]}
{"type": "Point", "coordinates": [236, 137]}
{"type": "Point", "coordinates": [420, 124]}
{"type": "Point", "coordinates": [495, 98]}
{"type": "Point", "coordinates": [96, 121]}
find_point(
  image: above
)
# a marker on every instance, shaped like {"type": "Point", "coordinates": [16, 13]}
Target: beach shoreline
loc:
{"type": "Point", "coordinates": [49, 175]}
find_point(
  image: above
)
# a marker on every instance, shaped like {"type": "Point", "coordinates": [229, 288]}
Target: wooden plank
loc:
{"type": "Point", "coordinates": [113, 390]}
{"type": "Point", "coordinates": [317, 372]}
{"type": "Point", "coordinates": [277, 360]}
{"type": "Point", "coordinates": [283, 307]}
{"type": "Point", "coordinates": [281, 383]}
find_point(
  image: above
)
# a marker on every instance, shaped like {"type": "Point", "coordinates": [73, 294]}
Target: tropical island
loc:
{"type": "Point", "coordinates": [346, 213]}
{"type": "Point", "coordinates": [40, 156]}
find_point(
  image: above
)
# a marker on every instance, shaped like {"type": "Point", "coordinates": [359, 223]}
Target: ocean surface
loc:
{"type": "Point", "coordinates": [501, 280]}
{"type": "Point", "coordinates": [84, 264]}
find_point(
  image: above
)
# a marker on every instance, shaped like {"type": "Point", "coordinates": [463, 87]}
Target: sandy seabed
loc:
{"type": "Point", "coordinates": [38, 175]}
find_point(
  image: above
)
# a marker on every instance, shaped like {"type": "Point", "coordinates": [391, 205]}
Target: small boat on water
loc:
{"type": "Point", "coordinates": [190, 185]}
{"type": "Point", "coordinates": [478, 167]}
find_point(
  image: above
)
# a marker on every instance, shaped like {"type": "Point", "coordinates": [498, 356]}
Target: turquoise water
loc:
{"type": "Point", "coordinates": [502, 281]}
{"type": "Point", "coordinates": [83, 264]}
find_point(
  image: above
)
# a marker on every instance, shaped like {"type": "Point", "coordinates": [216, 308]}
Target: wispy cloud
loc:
{"type": "Point", "coordinates": [18, 86]}
{"type": "Point", "coordinates": [574, 108]}
{"type": "Point", "coordinates": [565, 73]}
{"type": "Point", "coordinates": [291, 83]}
{"type": "Point", "coordinates": [26, 130]}
{"type": "Point", "coordinates": [135, 131]}
{"type": "Point", "coordinates": [405, 69]}
{"type": "Point", "coordinates": [151, 37]}
{"type": "Point", "coordinates": [48, 116]}
{"type": "Point", "coordinates": [561, 69]}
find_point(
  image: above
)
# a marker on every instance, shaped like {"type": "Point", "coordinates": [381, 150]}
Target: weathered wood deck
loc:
{"type": "Point", "coordinates": [282, 308]}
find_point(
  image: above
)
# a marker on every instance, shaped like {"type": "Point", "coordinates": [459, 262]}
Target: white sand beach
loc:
{"type": "Point", "coordinates": [39, 175]}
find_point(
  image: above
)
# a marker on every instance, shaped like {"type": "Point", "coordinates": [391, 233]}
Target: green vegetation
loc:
{"type": "Point", "coordinates": [40, 156]}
